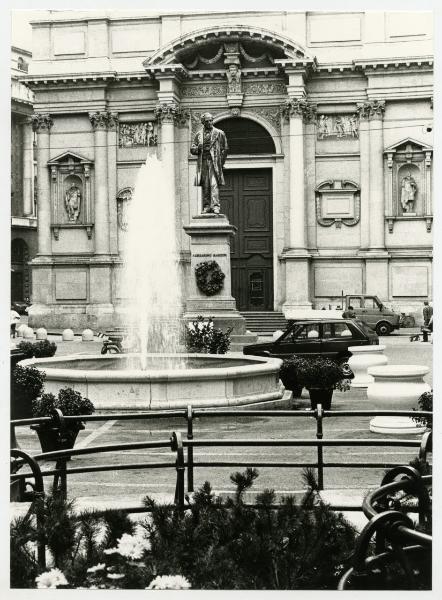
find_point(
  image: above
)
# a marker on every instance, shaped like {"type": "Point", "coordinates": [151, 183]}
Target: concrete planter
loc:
{"type": "Point", "coordinates": [364, 357]}
{"type": "Point", "coordinates": [396, 387]}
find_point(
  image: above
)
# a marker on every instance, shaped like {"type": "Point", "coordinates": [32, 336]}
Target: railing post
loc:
{"type": "Point", "coordinates": [319, 414]}
{"type": "Point", "coordinates": [189, 417]}
{"type": "Point", "coordinates": [176, 444]}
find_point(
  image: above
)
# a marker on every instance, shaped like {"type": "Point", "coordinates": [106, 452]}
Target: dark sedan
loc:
{"type": "Point", "coordinates": [330, 338]}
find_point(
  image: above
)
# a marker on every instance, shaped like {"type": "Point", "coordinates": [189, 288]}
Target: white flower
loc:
{"type": "Point", "coordinates": [132, 546]}
{"type": "Point", "coordinates": [96, 568]}
{"type": "Point", "coordinates": [115, 575]}
{"type": "Point", "coordinates": [110, 551]}
{"type": "Point", "coordinates": [169, 582]}
{"type": "Point", "coordinates": [51, 579]}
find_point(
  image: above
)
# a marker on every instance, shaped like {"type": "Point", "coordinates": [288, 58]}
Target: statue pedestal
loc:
{"type": "Point", "coordinates": [210, 240]}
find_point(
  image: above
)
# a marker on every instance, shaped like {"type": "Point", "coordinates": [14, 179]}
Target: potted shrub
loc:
{"type": "Point", "coordinates": [320, 376]}
{"type": "Point", "coordinates": [70, 403]}
{"type": "Point", "coordinates": [41, 349]}
{"type": "Point", "coordinates": [288, 375]}
{"type": "Point", "coordinates": [26, 386]}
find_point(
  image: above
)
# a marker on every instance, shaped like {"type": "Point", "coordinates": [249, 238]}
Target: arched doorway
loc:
{"type": "Point", "coordinates": [20, 272]}
{"type": "Point", "coordinates": [247, 201]}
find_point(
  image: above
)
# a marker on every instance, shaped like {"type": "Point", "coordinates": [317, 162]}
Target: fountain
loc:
{"type": "Point", "coordinates": [159, 375]}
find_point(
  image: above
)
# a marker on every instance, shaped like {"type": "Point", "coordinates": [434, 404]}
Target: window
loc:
{"type": "Point", "coordinates": [355, 301]}
{"type": "Point", "coordinates": [327, 330]}
{"type": "Point", "coordinates": [245, 136]}
{"type": "Point", "coordinates": [305, 332]}
{"type": "Point", "coordinates": [341, 330]}
{"type": "Point", "coordinates": [371, 303]}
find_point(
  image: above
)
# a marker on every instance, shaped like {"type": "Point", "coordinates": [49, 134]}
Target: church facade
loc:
{"type": "Point", "coordinates": [328, 178]}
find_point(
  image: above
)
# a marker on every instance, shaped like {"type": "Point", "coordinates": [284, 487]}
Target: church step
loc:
{"type": "Point", "coordinates": [264, 323]}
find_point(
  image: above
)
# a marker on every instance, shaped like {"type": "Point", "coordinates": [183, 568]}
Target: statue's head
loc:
{"type": "Point", "coordinates": [207, 120]}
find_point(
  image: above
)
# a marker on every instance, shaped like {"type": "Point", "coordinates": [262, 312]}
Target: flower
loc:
{"type": "Point", "coordinates": [132, 546]}
{"type": "Point", "coordinates": [169, 582]}
{"type": "Point", "coordinates": [96, 568]}
{"type": "Point", "coordinates": [51, 579]}
{"type": "Point", "coordinates": [110, 551]}
{"type": "Point", "coordinates": [115, 575]}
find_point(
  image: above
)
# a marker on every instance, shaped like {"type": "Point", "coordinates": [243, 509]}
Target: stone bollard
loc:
{"type": "Point", "coordinates": [362, 358]}
{"type": "Point", "coordinates": [87, 335]}
{"type": "Point", "coordinates": [41, 334]}
{"type": "Point", "coordinates": [396, 387]}
{"type": "Point", "coordinates": [67, 335]}
{"type": "Point", "coordinates": [28, 333]}
{"type": "Point", "coordinates": [20, 329]}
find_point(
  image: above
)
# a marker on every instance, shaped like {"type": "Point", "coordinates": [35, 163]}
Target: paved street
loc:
{"type": "Point", "coordinates": [130, 486]}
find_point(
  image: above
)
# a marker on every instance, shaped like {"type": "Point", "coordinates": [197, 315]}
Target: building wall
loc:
{"type": "Point", "coordinates": [93, 62]}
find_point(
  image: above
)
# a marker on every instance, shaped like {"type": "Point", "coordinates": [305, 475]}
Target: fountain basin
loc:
{"type": "Point", "coordinates": [117, 382]}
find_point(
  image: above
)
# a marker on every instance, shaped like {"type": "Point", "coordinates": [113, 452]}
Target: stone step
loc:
{"type": "Point", "coordinates": [264, 322]}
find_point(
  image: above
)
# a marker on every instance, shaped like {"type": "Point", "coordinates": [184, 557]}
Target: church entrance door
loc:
{"type": "Point", "coordinates": [246, 199]}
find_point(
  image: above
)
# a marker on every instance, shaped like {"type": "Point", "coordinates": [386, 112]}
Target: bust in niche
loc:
{"type": "Point", "coordinates": [408, 193]}
{"type": "Point", "coordinates": [72, 203]}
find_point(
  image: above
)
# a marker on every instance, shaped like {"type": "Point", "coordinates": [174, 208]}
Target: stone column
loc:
{"type": "Point", "coordinates": [377, 206]}
{"type": "Point", "coordinates": [296, 256]}
{"type": "Point", "coordinates": [42, 124]}
{"type": "Point", "coordinates": [364, 161]}
{"type": "Point", "coordinates": [101, 121]}
{"type": "Point", "coordinates": [28, 168]}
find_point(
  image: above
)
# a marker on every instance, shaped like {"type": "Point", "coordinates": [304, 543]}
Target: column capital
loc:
{"type": "Point", "coordinates": [295, 107]}
{"type": "Point", "coordinates": [373, 109]}
{"type": "Point", "coordinates": [41, 122]}
{"type": "Point", "coordinates": [103, 119]}
{"type": "Point", "coordinates": [171, 112]}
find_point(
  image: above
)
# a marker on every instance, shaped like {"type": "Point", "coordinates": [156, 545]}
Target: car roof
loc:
{"type": "Point", "coordinates": [313, 321]}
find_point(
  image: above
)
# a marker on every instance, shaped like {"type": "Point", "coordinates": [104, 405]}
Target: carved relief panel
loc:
{"type": "Point", "coordinates": [337, 126]}
{"type": "Point", "coordinates": [137, 134]}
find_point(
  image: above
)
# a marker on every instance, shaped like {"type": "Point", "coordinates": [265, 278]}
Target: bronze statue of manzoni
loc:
{"type": "Point", "coordinates": [210, 145]}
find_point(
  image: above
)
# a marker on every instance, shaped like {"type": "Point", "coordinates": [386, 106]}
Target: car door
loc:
{"type": "Point", "coordinates": [357, 302]}
{"type": "Point", "coordinates": [302, 339]}
{"type": "Point", "coordinates": [371, 312]}
{"type": "Point", "coordinates": [336, 338]}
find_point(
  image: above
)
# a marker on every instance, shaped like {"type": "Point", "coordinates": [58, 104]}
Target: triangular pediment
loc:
{"type": "Point", "coordinates": [405, 143]}
{"type": "Point", "coordinates": [69, 156]}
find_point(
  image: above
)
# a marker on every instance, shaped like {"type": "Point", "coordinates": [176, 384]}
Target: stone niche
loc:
{"type": "Point", "coordinates": [409, 167]}
{"type": "Point", "coordinates": [71, 193]}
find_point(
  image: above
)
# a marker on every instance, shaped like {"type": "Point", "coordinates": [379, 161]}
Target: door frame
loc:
{"type": "Point", "coordinates": [275, 163]}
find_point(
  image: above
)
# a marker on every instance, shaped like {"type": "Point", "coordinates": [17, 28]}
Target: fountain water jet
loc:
{"type": "Point", "coordinates": [151, 277]}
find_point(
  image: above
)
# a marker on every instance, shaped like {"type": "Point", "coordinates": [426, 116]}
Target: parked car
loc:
{"type": "Point", "coordinates": [330, 338]}
{"type": "Point", "coordinates": [373, 312]}
{"type": "Point", "coordinates": [21, 306]}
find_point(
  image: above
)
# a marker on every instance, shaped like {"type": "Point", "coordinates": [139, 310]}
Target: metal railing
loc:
{"type": "Point", "coordinates": [397, 541]}
{"type": "Point", "coordinates": [184, 448]}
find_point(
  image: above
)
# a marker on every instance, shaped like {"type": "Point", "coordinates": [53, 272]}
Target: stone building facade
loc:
{"type": "Point", "coordinates": [328, 117]}
{"type": "Point", "coordinates": [23, 205]}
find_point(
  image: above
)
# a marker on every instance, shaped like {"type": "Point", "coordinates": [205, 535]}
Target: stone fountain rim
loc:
{"type": "Point", "coordinates": [266, 365]}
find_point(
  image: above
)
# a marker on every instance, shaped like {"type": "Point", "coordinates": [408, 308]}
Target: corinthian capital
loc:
{"type": "Point", "coordinates": [103, 119]}
{"type": "Point", "coordinates": [295, 107]}
{"type": "Point", "coordinates": [170, 112]}
{"type": "Point", "coordinates": [41, 122]}
{"type": "Point", "coordinates": [371, 110]}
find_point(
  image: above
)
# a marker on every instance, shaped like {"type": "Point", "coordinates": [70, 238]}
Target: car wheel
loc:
{"type": "Point", "coordinates": [383, 329]}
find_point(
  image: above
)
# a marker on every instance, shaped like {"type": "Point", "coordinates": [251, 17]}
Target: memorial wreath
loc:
{"type": "Point", "coordinates": [209, 277]}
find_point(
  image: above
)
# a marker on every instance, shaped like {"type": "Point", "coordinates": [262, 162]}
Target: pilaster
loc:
{"type": "Point", "coordinates": [42, 123]}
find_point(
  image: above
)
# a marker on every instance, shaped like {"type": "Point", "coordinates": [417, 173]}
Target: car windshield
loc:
{"type": "Point", "coordinates": [365, 328]}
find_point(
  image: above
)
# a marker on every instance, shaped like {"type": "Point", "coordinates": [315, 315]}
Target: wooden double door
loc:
{"type": "Point", "coordinates": [246, 199]}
